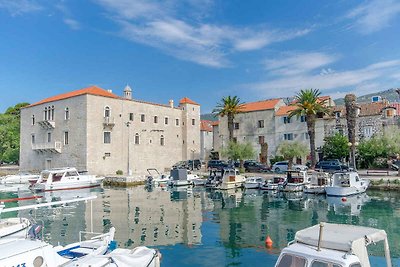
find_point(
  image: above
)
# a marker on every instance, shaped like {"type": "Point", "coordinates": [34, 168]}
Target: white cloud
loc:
{"type": "Point", "coordinates": [289, 74]}
{"type": "Point", "coordinates": [19, 7]}
{"type": "Point", "coordinates": [375, 15]}
{"type": "Point", "coordinates": [73, 24]}
{"type": "Point", "coordinates": [156, 23]}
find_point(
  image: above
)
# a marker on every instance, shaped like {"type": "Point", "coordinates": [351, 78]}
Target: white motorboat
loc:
{"type": "Point", "coordinates": [155, 177]}
{"type": "Point", "coordinates": [273, 184]}
{"type": "Point", "coordinates": [225, 179]}
{"type": "Point", "coordinates": [19, 178]}
{"type": "Point", "coordinates": [14, 227]}
{"type": "Point", "coordinates": [64, 178]}
{"type": "Point", "coordinates": [346, 184]}
{"type": "Point", "coordinates": [295, 181]}
{"type": "Point", "coordinates": [253, 182]}
{"type": "Point", "coordinates": [100, 250]}
{"type": "Point", "coordinates": [333, 245]}
{"type": "Point", "coordinates": [179, 177]}
{"type": "Point", "coordinates": [318, 182]}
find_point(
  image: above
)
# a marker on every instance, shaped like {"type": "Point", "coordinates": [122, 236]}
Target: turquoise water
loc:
{"type": "Point", "coordinates": [197, 227]}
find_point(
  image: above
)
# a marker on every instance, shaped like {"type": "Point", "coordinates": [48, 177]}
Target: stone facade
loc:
{"type": "Point", "coordinates": [97, 131]}
{"type": "Point", "coordinates": [206, 139]}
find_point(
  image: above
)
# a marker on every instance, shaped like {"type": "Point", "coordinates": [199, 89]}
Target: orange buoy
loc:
{"type": "Point", "coordinates": [268, 242]}
{"type": "Point", "coordinates": [344, 199]}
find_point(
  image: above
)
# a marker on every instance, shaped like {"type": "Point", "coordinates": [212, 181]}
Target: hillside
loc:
{"type": "Point", "coordinates": [208, 117]}
{"type": "Point", "coordinates": [390, 95]}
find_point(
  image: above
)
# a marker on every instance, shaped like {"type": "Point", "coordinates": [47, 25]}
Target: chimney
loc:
{"type": "Point", "coordinates": [171, 103]}
{"type": "Point", "coordinates": [109, 90]}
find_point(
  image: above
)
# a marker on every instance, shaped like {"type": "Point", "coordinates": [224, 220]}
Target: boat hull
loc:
{"type": "Point", "coordinates": [345, 191]}
{"type": "Point", "coordinates": [78, 184]}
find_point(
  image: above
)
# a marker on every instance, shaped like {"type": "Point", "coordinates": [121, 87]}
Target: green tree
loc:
{"type": "Point", "coordinates": [238, 151]}
{"type": "Point", "coordinates": [335, 147]}
{"type": "Point", "coordinates": [308, 104]}
{"type": "Point", "coordinates": [229, 107]}
{"type": "Point", "coordinates": [10, 133]}
{"type": "Point", "coordinates": [292, 149]}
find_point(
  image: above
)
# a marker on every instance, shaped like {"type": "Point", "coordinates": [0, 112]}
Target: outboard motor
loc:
{"type": "Point", "coordinates": [34, 231]}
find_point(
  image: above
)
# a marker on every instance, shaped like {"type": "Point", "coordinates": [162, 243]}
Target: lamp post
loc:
{"type": "Point", "coordinates": [193, 150]}
{"type": "Point", "coordinates": [128, 166]}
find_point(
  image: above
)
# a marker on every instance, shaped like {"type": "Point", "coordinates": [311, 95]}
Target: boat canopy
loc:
{"type": "Point", "coordinates": [348, 238]}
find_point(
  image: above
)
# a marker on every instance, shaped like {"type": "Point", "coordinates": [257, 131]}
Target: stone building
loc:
{"type": "Point", "coordinates": [206, 139]}
{"type": "Point", "coordinates": [97, 131]}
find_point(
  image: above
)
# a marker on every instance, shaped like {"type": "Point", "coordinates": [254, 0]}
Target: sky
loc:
{"type": "Point", "coordinates": [201, 49]}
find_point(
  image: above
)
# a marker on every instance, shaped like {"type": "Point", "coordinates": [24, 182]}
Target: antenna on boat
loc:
{"type": "Point", "coordinates": [321, 227]}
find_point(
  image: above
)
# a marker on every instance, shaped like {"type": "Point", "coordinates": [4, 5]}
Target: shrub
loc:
{"type": "Point", "coordinates": [119, 172]}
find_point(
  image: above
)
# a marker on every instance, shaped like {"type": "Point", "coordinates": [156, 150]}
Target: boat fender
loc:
{"type": "Point", "coordinates": [34, 231]}
{"type": "Point", "coordinates": [268, 242]}
{"type": "Point", "coordinates": [113, 245]}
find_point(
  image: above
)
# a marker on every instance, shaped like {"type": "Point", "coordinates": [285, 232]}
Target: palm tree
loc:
{"type": "Point", "coordinates": [308, 104]}
{"type": "Point", "coordinates": [351, 114]}
{"type": "Point", "coordinates": [229, 107]}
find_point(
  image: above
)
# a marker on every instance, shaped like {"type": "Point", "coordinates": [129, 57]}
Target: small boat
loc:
{"type": "Point", "coordinates": [155, 177]}
{"type": "Point", "coordinates": [19, 178]}
{"type": "Point", "coordinates": [334, 245]}
{"type": "Point", "coordinates": [253, 182]}
{"type": "Point", "coordinates": [179, 177]}
{"type": "Point", "coordinates": [273, 184]}
{"type": "Point", "coordinates": [295, 181]}
{"type": "Point", "coordinates": [14, 227]}
{"type": "Point", "coordinates": [64, 178]}
{"type": "Point", "coordinates": [318, 182]}
{"type": "Point", "coordinates": [226, 178]}
{"type": "Point", "coordinates": [346, 184]}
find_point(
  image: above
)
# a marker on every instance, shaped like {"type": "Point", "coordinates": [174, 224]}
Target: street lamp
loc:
{"type": "Point", "coordinates": [129, 169]}
{"type": "Point", "coordinates": [352, 154]}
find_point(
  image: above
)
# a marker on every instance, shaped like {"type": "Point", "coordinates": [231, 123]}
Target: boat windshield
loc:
{"type": "Point", "coordinates": [289, 260]}
{"type": "Point", "coordinates": [45, 175]}
{"type": "Point", "coordinates": [318, 263]}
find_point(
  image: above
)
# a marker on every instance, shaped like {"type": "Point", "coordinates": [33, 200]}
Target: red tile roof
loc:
{"type": "Point", "coordinates": [285, 110]}
{"type": "Point", "coordinates": [92, 90]}
{"type": "Point", "coordinates": [260, 105]}
{"type": "Point", "coordinates": [206, 126]}
{"type": "Point", "coordinates": [186, 100]}
{"type": "Point", "coordinates": [323, 99]}
{"type": "Point", "coordinates": [215, 123]}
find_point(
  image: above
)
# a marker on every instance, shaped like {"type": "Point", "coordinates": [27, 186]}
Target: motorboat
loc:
{"type": "Point", "coordinates": [346, 184]}
{"type": "Point", "coordinates": [253, 182]}
{"type": "Point", "coordinates": [327, 244]}
{"type": "Point", "coordinates": [273, 184]}
{"type": "Point", "coordinates": [99, 250]}
{"type": "Point", "coordinates": [19, 178]}
{"type": "Point", "coordinates": [317, 183]}
{"type": "Point", "coordinates": [226, 178]}
{"type": "Point", "coordinates": [295, 181]}
{"type": "Point", "coordinates": [14, 227]}
{"type": "Point", "coordinates": [64, 178]}
{"type": "Point", "coordinates": [179, 177]}
{"type": "Point", "coordinates": [155, 177]}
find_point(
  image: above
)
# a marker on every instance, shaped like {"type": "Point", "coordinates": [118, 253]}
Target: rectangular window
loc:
{"type": "Point", "coordinates": [261, 124]}
{"type": "Point", "coordinates": [137, 139]}
{"type": "Point", "coordinates": [162, 140]}
{"type": "Point", "coordinates": [66, 138]}
{"type": "Point", "coordinates": [177, 122]}
{"type": "Point", "coordinates": [155, 119]}
{"type": "Point", "coordinates": [48, 137]}
{"type": "Point", "coordinates": [306, 137]}
{"type": "Point", "coordinates": [166, 120]}
{"type": "Point", "coordinates": [288, 136]}
{"type": "Point", "coordinates": [131, 116]}
{"type": "Point", "coordinates": [107, 154]}
{"type": "Point", "coordinates": [236, 125]}
{"type": "Point", "coordinates": [142, 118]}
{"type": "Point", "coordinates": [193, 122]}
{"type": "Point", "coordinates": [33, 138]}
{"type": "Point", "coordinates": [107, 138]}
{"type": "Point", "coordinates": [261, 139]}
{"type": "Point", "coordinates": [286, 120]}
{"type": "Point", "coordinates": [303, 118]}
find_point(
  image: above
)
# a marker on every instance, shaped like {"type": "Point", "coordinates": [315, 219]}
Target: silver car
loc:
{"type": "Point", "coordinates": [282, 166]}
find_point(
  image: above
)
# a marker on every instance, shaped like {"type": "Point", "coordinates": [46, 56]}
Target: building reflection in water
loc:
{"type": "Point", "coordinates": [156, 218]}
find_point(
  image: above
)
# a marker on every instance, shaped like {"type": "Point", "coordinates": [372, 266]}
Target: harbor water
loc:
{"type": "Point", "coordinates": [199, 227]}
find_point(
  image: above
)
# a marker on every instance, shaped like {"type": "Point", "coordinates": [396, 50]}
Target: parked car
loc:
{"type": "Point", "coordinates": [194, 164]}
{"type": "Point", "coordinates": [395, 165]}
{"type": "Point", "coordinates": [331, 165]}
{"type": "Point", "coordinates": [183, 164]}
{"type": "Point", "coordinates": [253, 166]}
{"type": "Point", "coordinates": [282, 166]}
{"type": "Point", "coordinates": [217, 164]}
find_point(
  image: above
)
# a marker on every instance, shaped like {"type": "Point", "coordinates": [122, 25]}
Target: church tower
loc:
{"type": "Point", "coordinates": [127, 92]}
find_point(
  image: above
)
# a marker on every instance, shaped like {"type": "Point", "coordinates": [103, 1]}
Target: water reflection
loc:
{"type": "Point", "coordinates": [188, 222]}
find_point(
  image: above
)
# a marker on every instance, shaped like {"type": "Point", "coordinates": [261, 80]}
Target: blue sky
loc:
{"type": "Point", "coordinates": [202, 49]}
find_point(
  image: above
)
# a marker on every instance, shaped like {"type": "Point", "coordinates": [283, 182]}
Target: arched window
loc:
{"type": "Point", "coordinates": [52, 113]}
{"type": "Point", "coordinates": [107, 112]}
{"type": "Point", "coordinates": [162, 140]}
{"type": "Point", "coordinates": [45, 113]}
{"type": "Point", "coordinates": [67, 113]}
{"type": "Point", "coordinates": [137, 139]}
{"type": "Point", "coordinates": [33, 119]}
